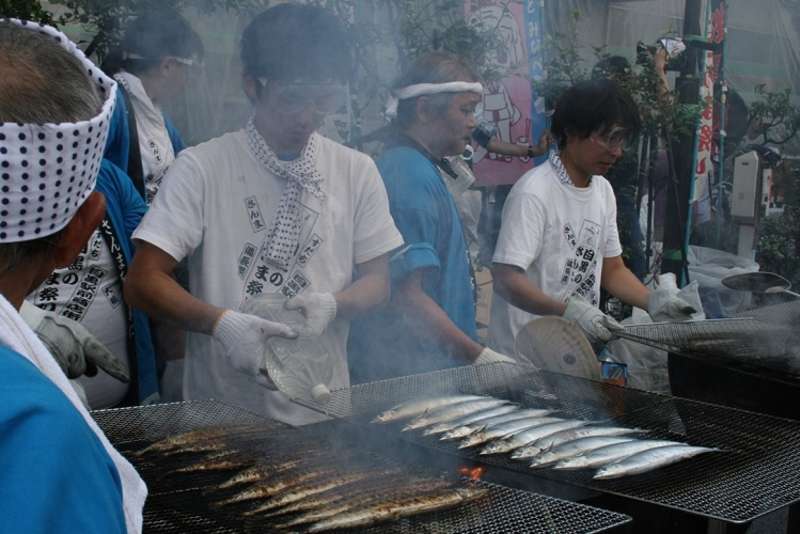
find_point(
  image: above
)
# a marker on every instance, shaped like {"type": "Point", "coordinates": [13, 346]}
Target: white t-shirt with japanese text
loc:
{"type": "Point", "coordinates": [90, 292]}
{"type": "Point", "coordinates": [558, 234]}
{"type": "Point", "coordinates": [216, 205]}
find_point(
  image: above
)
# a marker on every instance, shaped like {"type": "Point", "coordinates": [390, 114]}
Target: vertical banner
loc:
{"type": "Point", "coordinates": [534, 34]}
{"type": "Point", "coordinates": [704, 148]}
{"type": "Point", "coordinates": [507, 98]}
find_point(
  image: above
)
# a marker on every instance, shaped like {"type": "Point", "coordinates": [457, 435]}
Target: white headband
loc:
{"type": "Point", "coordinates": [48, 170]}
{"type": "Point", "coordinates": [191, 62]}
{"type": "Point", "coordinates": [420, 89]}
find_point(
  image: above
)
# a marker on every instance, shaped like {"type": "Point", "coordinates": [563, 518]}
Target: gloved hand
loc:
{"type": "Point", "coordinates": [319, 309]}
{"type": "Point", "coordinates": [244, 338]}
{"type": "Point", "coordinates": [488, 355]}
{"type": "Point", "coordinates": [664, 304]}
{"type": "Point", "coordinates": [76, 350]}
{"type": "Point", "coordinates": [598, 326]}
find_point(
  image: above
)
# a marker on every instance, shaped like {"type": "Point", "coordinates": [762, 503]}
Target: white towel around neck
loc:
{"type": "Point", "coordinates": [16, 335]}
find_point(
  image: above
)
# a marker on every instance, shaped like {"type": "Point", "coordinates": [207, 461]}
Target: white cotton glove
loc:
{"type": "Point", "coordinates": [319, 309]}
{"type": "Point", "coordinates": [597, 326]}
{"type": "Point", "coordinates": [76, 350]}
{"type": "Point", "coordinates": [488, 355]}
{"type": "Point", "coordinates": [664, 304]}
{"type": "Point", "coordinates": [244, 338]}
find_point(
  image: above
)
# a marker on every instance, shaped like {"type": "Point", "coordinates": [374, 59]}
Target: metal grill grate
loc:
{"type": "Point", "coordinates": [739, 338]}
{"type": "Point", "coordinates": [132, 427]}
{"type": "Point", "coordinates": [182, 504]}
{"type": "Point", "coordinates": [758, 472]}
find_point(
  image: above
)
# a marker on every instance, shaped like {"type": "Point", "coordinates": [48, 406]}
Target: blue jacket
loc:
{"type": "Point", "coordinates": [386, 343]}
{"type": "Point", "coordinates": [56, 477]}
{"type": "Point", "coordinates": [119, 139]}
{"type": "Point", "coordinates": [125, 207]}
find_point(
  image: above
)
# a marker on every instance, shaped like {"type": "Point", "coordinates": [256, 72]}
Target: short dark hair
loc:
{"type": "Point", "coordinates": [292, 42]}
{"type": "Point", "coordinates": [594, 106]}
{"type": "Point", "coordinates": [433, 67]}
{"type": "Point", "coordinates": [614, 67]}
{"type": "Point", "coordinates": [154, 35]}
{"type": "Point", "coordinates": [43, 82]}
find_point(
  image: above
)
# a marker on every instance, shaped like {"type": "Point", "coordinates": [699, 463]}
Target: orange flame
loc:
{"type": "Point", "coordinates": [473, 473]}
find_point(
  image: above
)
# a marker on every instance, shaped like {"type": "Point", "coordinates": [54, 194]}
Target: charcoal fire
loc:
{"type": "Point", "coordinates": [473, 473]}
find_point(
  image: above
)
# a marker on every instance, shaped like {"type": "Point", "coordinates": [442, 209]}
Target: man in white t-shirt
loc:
{"type": "Point", "coordinates": [274, 208]}
{"type": "Point", "coordinates": [558, 243]}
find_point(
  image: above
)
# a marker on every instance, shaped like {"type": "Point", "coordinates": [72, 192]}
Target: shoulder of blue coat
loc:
{"type": "Point", "coordinates": [111, 176]}
{"type": "Point", "coordinates": [24, 385]}
{"type": "Point", "coordinates": [407, 164]}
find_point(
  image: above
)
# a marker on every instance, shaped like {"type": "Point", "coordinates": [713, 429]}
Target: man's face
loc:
{"type": "Point", "coordinates": [597, 153]}
{"type": "Point", "coordinates": [453, 129]}
{"type": "Point", "coordinates": [291, 112]}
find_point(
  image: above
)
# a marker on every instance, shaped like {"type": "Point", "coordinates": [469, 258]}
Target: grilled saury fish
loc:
{"type": "Point", "coordinates": [557, 438]}
{"type": "Point", "coordinates": [505, 430]}
{"type": "Point", "coordinates": [575, 448]}
{"type": "Point", "coordinates": [648, 460]}
{"type": "Point", "coordinates": [204, 434]}
{"type": "Point", "coordinates": [399, 508]}
{"type": "Point", "coordinates": [449, 413]}
{"type": "Point", "coordinates": [414, 408]}
{"type": "Point", "coordinates": [523, 439]}
{"type": "Point", "coordinates": [611, 453]}
{"type": "Point", "coordinates": [440, 428]}
{"type": "Point", "coordinates": [477, 426]}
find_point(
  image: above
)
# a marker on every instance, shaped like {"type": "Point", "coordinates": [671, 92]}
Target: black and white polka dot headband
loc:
{"type": "Point", "coordinates": [48, 170]}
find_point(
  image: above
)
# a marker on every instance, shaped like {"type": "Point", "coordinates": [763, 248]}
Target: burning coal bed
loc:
{"type": "Point", "coordinates": [289, 481]}
{"type": "Point", "coordinates": [538, 436]}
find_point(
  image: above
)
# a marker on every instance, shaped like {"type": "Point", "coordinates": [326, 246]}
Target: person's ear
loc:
{"type": "Point", "coordinates": [79, 229]}
{"type": "Point", "coordinates": [423, 108]}
{"type": "Point", "coordinates": [571, 137]}
{"type": "Point", "coordinates": [252, 88]}
{"type": "Point", "coordinates": [165, 66]}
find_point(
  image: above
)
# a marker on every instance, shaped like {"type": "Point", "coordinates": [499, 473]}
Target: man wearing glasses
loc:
{"type": "Point", "coordinates": [271, 213]}
{"type": "Point", "coordinates": [558, 243]}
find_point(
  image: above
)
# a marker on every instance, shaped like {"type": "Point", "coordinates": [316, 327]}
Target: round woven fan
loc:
{"type": "Point", "coordinates": [558, 345]}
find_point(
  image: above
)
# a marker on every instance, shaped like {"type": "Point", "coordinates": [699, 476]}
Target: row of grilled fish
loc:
{"type": "Point", "coordinates": [538, 436]}
{"type": "Point", "coordinates": [323, 498]}
{"type": "Point", "coordinates": [298, 485]}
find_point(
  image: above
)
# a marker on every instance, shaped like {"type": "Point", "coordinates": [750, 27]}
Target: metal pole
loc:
{"type": "Point", "coordinates": [679, 186]}
{"type": "Point", "coordinates": [652, 154]}
{"type": "Point", "coordinates": [723, 122]}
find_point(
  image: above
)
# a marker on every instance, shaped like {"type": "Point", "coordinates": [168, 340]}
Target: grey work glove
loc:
{"type": "Point", "coordinates": [244, 339]}
{"type": "Point", "coordinates": [488, 355]}
{"type": "Point", "coordinates": [664, 304]}
{"type": "Point", "coordinates": [319, 309]}
{"type": "Point", "coordinates": [597, 326]}
{"type": "Point", "coordinates": [76, 350]}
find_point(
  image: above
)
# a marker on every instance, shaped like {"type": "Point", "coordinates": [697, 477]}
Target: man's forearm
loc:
{"type": "Point", "coordinates": [430, 319]}
{"type": "Point", "coordinates": [370, 288]}
{"type": "Point", "coordinates": [507, 149]}
{"type": "Point", "coordinates": [514, 286]}
{"type": "Point", "coordinates": [362, 295]}
{"type": "Point", "coordinates": [623, 284]}
{"type": "Point", "coordinates": [161, 297]}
